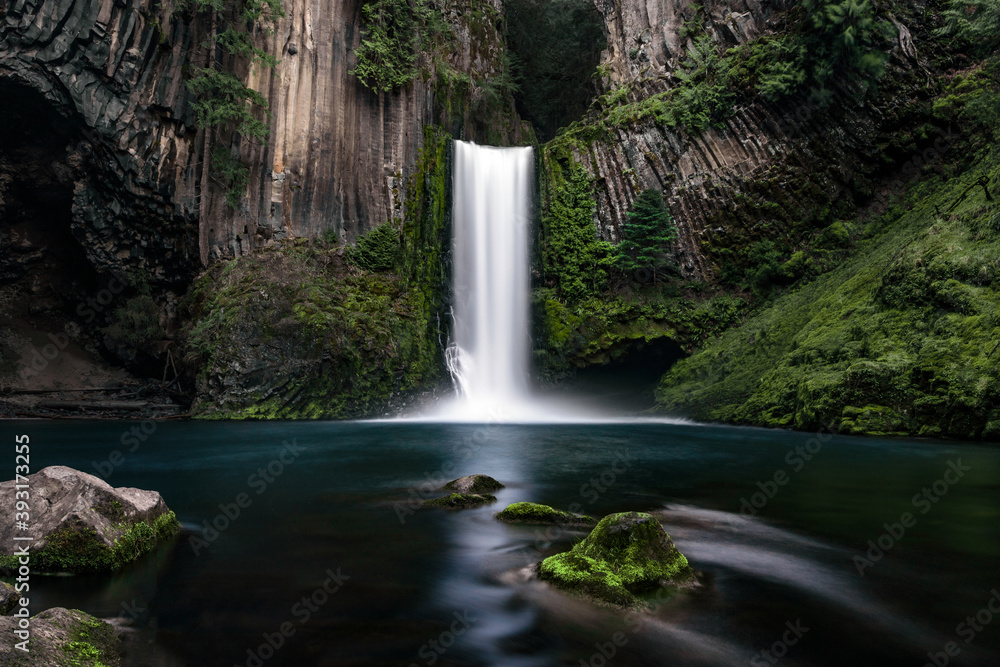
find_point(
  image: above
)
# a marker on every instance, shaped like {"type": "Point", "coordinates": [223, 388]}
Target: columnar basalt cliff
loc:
{"type": "Point", "coordinates": [106, 81]}
{"type": "Point", "coordinates": [113, 74]}
{"type": "Point", "coordinates": [706, 175]}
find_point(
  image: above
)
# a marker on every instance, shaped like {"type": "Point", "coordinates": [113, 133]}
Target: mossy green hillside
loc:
{"type": "Point", "coordinates": [605, 328]}
{"type": "Point", "coordinates": [535, 513]}
{"type": "Point", "coordinates": [900, 339]}
{"type": "Point", "coordinates": [78, 549]}
{"type": "Point", "coordinates": [625, 555]}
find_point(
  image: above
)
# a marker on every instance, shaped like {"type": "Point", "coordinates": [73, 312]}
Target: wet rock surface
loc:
{"type": "Point", "coordinates": [80, 523]}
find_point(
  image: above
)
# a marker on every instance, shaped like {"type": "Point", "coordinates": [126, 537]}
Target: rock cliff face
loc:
{"type": "Point", "coordinates": [704, 176]}
{"type": "Point", "coordinates": [107, 80]}
{"type": "Point", "coordinates": [100, 115]}
{"type": "Point", "coordinates": [104, 172]}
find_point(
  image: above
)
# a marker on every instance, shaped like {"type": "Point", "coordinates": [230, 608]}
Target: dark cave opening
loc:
{"type": "Point", "coordinates": [43, 268]}
{"type": "Point", "coordinates": [627, 383]}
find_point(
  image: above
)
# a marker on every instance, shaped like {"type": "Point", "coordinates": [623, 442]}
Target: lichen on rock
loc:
{"type": "Point", "coordinates": [626, 555]}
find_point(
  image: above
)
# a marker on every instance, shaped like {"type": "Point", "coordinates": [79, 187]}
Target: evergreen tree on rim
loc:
{"type": "Point", "coordinates": [648, 231]}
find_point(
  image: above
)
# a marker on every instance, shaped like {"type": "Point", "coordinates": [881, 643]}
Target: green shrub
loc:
{"type": "Point", "coordinates": [378, 250]}
{"type": "Point", "coordinates": [395, 32]}
{"type": "Point", "coordinates": [573, 256]}
{"type": "Point", "coordinates": [976, 21]}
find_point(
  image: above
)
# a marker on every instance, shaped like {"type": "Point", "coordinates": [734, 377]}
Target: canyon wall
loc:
{"type": "Point", "coordinates": [107, 77]}
{"type": "Point", "coordinates": [705, 176]}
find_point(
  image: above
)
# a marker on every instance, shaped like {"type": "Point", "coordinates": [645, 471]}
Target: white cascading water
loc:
{"type": "Point", "coordinates": [489, 351]}
{"type": "Point", "coordinates": [488, 355]}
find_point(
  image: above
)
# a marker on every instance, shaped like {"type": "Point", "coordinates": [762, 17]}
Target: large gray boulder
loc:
{"type": "Point", "coordinates": [61, 638]}
{"type": "Point", "coordinates": [80, 523]}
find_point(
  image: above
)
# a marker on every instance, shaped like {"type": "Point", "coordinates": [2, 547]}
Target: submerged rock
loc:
{"type": "Point", "coordinates": [626, 554]}
{"type": "Point", "coordinates": [535, 513]}
{"type": "Point", "coordinates": [461, 501]}
{"type": "Point", "coordinates": [80, 523]}
{"type": "Point", "coordinates": [61, 637]}
{"type": "Point", "coordinates": [474, 484]}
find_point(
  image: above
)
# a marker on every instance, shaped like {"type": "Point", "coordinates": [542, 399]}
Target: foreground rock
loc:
{"type": "Point", "coordinates": [8, 598]}
{"type": "Point", "coordinates": [626, 555]}
{"type": "Point", "coordinates": [61, 638]}
{"type": "Point", "coordinates": [534, 513]}
{"type": "Point", "coordinates": [80, 523]}
{"type": "Point", "coordinates": [474, 484]}
{"type": "Point", "coordinates": [461, 501]}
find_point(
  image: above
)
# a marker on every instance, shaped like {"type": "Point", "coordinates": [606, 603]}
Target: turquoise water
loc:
{"type": "Point", "coordinates": [429, 587]}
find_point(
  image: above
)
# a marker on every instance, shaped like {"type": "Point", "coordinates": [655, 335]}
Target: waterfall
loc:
{"type": "Point", "coordinates": [489, 351]}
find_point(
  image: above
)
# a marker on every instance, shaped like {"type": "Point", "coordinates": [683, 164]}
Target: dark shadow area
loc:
{"type": "Point", "coordinates": [628, 382]}
{"type": "Point", "coordinates": [555, 48]}
{"type": "Point", "coordinates": [37, 249]}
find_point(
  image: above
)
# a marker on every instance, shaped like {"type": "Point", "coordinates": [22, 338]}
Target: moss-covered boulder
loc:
{"type": "Point", "coordinates": [61, 638]}
{"type": "Point", "coordinates": [626, 555]}
{"type": "Point", "coordinates": [474, 484]}
{"type": "Point", "coordinates": [80, 523]}
{"type": "Point", "coordinates": [542, 514]}
{"type": "Point", "coordinates": [461, 501]}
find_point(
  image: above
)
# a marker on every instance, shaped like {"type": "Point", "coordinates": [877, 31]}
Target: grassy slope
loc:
{"type": "Point", "coordinates": [902, 338]}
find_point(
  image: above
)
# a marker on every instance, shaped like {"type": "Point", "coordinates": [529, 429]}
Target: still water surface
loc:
{"type": "Point", "coordinates": [410, 579]}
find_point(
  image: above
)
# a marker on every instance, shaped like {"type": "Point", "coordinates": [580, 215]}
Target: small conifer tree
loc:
{"type": "Point", "coordinates": [648, 233]}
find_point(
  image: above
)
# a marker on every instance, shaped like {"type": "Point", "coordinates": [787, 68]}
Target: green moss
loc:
{"type": "Point", "coordinates": [461, 501]}
{"type": "Point", "coordinates": [625, 555]}
{"type": "Point", "coordinates": [78, 549]}
{"type": "Point", "coordinates": [535, 513]}
{"type": "Point", "coordinates": [898, 339]}
{"type": "Point", "coordinates": [604, 328]}
{"type": "Point", "coordinates": [93, 643]}
{"type": "Point", "coordinates": [574, 260]}
{"type": "Point", "coordinates": [340, 340]}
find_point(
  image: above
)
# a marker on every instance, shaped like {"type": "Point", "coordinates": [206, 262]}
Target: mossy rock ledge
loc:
{"type": "Point", "coordinates": [533, 513]}
{"type": "Point", "coordinates": [461, 501]}
{"type": "Point", "coordinates": [61, 638]}
{"type": "Point", "coordinates": [80, 523]}
{"type": "Point", "coordinates": [473, 484]}
{"type": "Point", "coordinates": [626, 555]}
